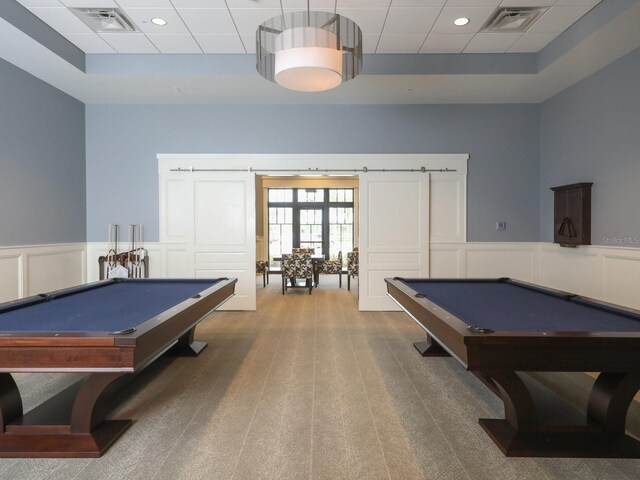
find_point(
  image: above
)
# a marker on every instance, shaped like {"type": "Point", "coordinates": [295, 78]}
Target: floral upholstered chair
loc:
{"type": "Point", "coordinates": [262, 266]}
{"type": "Point", "coordinates": [310, 251]}
{"type": "Point", "coordinates": [334, 267]}
{"type": "Point", "coordinates": [352, 266]}
{"type": "Point", "coordinates": [297, 265]}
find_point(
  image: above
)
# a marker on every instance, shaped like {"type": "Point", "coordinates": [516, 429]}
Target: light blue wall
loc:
{"type": "Point", "coordinates": [502, 140]}
{"type": "Point", "coordinates": [591, 133]}
{"type": "Point", "coordinates": [42, 162]}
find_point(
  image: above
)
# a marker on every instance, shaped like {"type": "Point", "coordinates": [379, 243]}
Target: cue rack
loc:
{"type": "Point", "coordinates": [131, 263]}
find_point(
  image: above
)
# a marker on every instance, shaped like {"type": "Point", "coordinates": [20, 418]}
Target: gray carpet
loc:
{"type": "Point", "coordinates": [306, 387]}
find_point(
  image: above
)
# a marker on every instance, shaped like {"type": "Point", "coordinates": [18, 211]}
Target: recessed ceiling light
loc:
{"type": "Point", "coordinates": [461, 22]}
{"type": "Point", "coordinates": [159, 21]}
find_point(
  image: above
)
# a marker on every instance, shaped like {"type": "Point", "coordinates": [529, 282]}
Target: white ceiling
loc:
{"type": "Point", "coordinates": [388, 26]}
{"type": "Point", "coordinates": [231, 79]}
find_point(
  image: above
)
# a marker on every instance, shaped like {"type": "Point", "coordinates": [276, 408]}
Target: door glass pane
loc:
{"type": "Point", "coordinates": [340, 231]}
{"type": "Point", "coordinates": [311, 229]}
{"type": "Point", "coordinates": [280, 232]}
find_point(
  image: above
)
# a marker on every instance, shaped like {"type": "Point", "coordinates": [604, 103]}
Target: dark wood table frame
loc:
{"type": "Point", "coordinates": [72, 423]}
{"type": "Point", "coordinates": [499, 359]}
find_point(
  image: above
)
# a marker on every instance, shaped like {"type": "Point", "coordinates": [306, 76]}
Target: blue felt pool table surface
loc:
{"type": "Point", "coordinates": [504, 305]}
{"type": "Point", "coordinates": [108, 307]}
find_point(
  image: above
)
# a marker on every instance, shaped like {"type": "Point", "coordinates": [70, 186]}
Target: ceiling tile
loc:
{"type": "Point", "coordinates": [419, 3]}
{"type": "Point", "coordinates": [175, 43]}
{"type": "Point", "coordinates": [89, 3]}
{"type": "Point", "coordinates": [249, 42]}
{"type": "Point", "coordinates": [199, 4]}
{"type": "Point", "coordinates": [558, 19]}
{"type": "Point", "coordinates": [253, 4]}
{"type": "Point", "coordinates": [365, 3]}
{"type": "Point", "coordinates": [89, 43]}
{"type": "Point", "coordinates": [220, 43]}
{"type": "Point", "coordinates": [370, 20]}
{"type": "Point", "coordinates": [477, 15]}
{"type": "Point", "coordinates": [473, 3]}
{"type": "Point", "coordinates": [528, 3]}
{"type": "Point", "coordinates": [592, 3]}
{"type": "Point", "coordinates": [406, 20]}
{"type": "Point", "coordinates": [532, 42]}
{"type": "Point", "coordinates": [129, 42]}
{"type": "Point", "coordinates": [40, 3]}
{"type": "Point", "coordinates": [370, 43]}
{"type": "Point", "coordinates": [400, 43]}
{"type": "Point", "coordinates": [446, 43]}
{"type": "Point", "coordinates": [145, 3]}
{"type": "Point", "coordinates": [491, 42]}
{"type": "Point", "coordinates": [208, 21]}
{"type": "Point", "coordinates": [247, 20]}
{"type": "Point", "coordinates": [62, 20]}
{"type": "Point", "coordinates": [142, 18]}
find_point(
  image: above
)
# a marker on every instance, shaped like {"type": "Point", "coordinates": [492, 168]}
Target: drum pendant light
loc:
{"type": "Point", "coordinates": [309, 51]}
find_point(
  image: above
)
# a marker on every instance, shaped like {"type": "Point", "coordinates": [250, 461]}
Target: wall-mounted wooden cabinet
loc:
{"type": "Point", "coordinates": [572, 214]}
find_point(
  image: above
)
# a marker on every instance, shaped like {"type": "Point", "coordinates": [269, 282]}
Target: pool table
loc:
{"type": "Point", "coordinates": [498, 329]}
{"type": "Point", "coordinates": [110, 329]}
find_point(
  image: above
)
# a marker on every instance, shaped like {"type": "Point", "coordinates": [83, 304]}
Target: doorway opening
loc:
{"type": "Point", "coordinates": [307, 212]}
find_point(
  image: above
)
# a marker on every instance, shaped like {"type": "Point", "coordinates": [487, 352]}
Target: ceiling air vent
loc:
{"type": "Point", "coordinates": [105, 20]}
{"type": "Point", "coordinates": [512, 19]}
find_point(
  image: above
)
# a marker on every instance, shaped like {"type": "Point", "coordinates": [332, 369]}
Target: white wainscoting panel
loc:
{"type": "Point", "coordinates": [621, 279]}
{"type": "Point", "coordinates": [10, 277]}
{"type": "Point", "coordinates": [29, 270]}
{"type": "Point", "coordinates": [494, 261]}
{"type": "Point", "coordinates": [576, 270]}
{"type": "Point", "coordinates": [611, 274]}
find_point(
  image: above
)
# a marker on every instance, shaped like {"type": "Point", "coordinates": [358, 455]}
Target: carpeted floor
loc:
{"type": "Point", "coordinates": [306, 387]}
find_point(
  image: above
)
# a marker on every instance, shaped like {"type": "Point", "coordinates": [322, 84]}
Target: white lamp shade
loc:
{"type": "Point", "coordinates": [308, 59]}
{"type": "Point", "coordinates": [309, 69]}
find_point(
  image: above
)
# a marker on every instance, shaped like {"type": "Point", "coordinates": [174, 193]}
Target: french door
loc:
{"type": "Point", "coordinates": [319, 218]}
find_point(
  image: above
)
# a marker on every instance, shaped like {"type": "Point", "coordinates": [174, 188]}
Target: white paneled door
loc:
{"type": "Point", "coordinates": [394, 233]}
{"type": "Point", "coordinates": [212, 214]}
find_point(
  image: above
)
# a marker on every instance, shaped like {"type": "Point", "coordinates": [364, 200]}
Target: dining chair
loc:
{"type": "Point", "coordinates": [294, 266]}
{"type": "Point", "coordinates": [262, 266]}
{"type": "Point", "coordinates": [352, 266]}
{"type": "Point", "coordinates": [304, 250]}
{"type": "Point", "coordinates": [332, 267]}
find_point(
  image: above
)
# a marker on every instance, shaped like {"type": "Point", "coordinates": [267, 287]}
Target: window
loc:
{"type": "Point", "coordinates": [318, 218]}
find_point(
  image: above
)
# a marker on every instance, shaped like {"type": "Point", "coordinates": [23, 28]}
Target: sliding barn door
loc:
{"type": "Point", "coordinates": [209, 217]}
{"type": "Point", "coordinates": [394, 233]}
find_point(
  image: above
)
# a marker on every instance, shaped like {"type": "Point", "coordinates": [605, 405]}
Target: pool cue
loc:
{"type": "Point", "coordinates": [111, 246]}
{"type": "Point", "coordinates": [129, 266]}
{"type": "Point", "coordinates": [142, 253]}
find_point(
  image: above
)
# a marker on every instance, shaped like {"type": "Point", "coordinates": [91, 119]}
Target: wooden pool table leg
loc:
{"type": "Point", "coordinates": [10, 401]}
{"type": "Point", "coordinates": [431, 348]}
{"type": "Point", "coordinates": [522, 433]}
{"type": "Point", "coordinates": [70, 424]}
{"type": "Point", "coordinates": [187, 346]}
{"type": "Point", "coordinates": [610, 398]}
